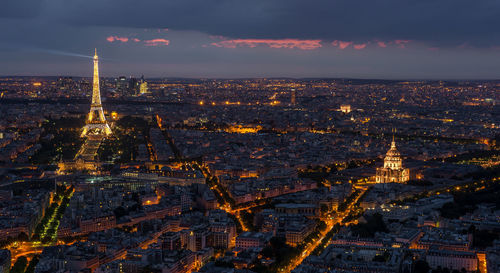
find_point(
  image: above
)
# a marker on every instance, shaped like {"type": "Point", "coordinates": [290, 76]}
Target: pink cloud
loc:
{"type": "Point", "coordinates": [136, 40]}
{"type": "Point", "coordinates": [156, 42]}
{"type": "Point", "coordinates": [359, 46]}
{"type": "Point", "coordinates": [363, 45]}
{"type": "Point", "coordinates": [116, 38]}
{"type": "Point", "coordinates": [341, 44]}
{"type": "Point", "coordinates": [282, 43]}
{"type": "Point", "coordinates": [401, 43]}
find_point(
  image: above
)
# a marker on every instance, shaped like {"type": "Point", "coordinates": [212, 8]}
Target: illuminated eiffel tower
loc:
{"type": "Point", "coordinates": [96, 122]}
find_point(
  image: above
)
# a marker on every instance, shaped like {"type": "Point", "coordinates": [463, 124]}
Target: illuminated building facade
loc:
{"type": "Point", "coordinates": [96, 122]}
{"type": "Point", "coordinates": [143, 86]}
{"type": "Point", "coordinates": [346, 108]}
{"type": "Point", "coordinates": [393, 171]}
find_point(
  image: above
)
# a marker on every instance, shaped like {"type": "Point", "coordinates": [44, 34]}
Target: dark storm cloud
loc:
{"type": "Point", "coordinates": [20, 8]}
{"type": "Point", "coordinates": [437, 22]}
{"type": "Point", "coordinates": [395, 39]}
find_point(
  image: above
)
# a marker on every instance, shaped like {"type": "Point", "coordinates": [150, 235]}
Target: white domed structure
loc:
{"type": "Point", "coordinates": [393, 171]}
{"type": "Point", "coordinates": [393, 158]}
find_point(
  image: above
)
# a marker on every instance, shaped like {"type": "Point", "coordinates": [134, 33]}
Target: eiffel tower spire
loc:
{"type": "Point", "coordinates": [96, 122]}
{"type": "Point", "coordinates": [96, 93]}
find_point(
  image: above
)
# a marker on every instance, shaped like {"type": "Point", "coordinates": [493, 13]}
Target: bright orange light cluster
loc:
{"type": "Point", "coordinates": [240, 129]}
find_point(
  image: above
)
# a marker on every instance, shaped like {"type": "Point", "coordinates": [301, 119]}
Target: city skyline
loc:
{"type": "Point", "coordinates": [260, 175]}
{"type": "Point", "coordinates": [238, 136]}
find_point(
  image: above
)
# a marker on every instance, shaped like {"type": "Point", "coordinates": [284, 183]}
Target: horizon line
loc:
{"type": "Point", "coordinates": [270, 78]}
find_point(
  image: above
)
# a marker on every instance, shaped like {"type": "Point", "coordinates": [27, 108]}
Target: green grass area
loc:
{"type": "Point", "coordinates": [122, 145]}
{"type": "Point", "coordinates": [60, 139]}
{"type": "Point", "coordinates": [119, 148]}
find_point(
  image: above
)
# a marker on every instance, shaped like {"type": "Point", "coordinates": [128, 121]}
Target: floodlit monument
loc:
{"type": "Point", "coordinates": [393, 170]}
{"type": "Point", "coordinates": [96, 122]}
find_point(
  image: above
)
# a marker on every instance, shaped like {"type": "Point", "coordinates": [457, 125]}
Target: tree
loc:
{"type": "Point", "coordinates": [382, 257]}
{"type": "Point", "coordinates": [421, 266]}
{"type": "Point", "coordinates": [484, 238]}
{"type": "Point", "coordinates": [247, 218]}
{"type": "Point", "coordinates": [267, 252]}
{"type": "Point", "coordinates": [221, 263]}
{"type": "Point", "coordinates": [324, 208]}
{"type": "Point", "coordinates": [472, 228]}
{"type": "Point", "coordinates": [375, 223]}
{"type": "Point", "coordinates": [277, 242]}
{"type": "Point", "coordinates": [19, 265]}
{"type": "Point", "coordinates": [120, 212]}
{"type": "Point", "coordinates": [22, 237]}
{"type": "Point", "coordinates": [321, 226]}
{"type": "Point", "coordinates": [32, 265]}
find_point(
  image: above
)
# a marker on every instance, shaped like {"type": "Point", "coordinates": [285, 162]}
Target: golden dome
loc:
{"type": "Point", "coordinates": [393, 158]}
{"type": "Point", "coordinates": [393, 151]}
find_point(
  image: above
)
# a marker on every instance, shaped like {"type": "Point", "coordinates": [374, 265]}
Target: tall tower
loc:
{"type": "Point", "coordinates": [96, 122]}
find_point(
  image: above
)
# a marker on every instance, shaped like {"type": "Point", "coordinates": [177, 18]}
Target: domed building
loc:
{"type": "Point", "coordinates": [393, 171]}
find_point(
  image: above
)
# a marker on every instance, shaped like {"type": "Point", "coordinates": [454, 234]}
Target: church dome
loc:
{"type": "Point", "coordinates": [393, 158]}
{"type": "Point", "coordinates": [393, 152]}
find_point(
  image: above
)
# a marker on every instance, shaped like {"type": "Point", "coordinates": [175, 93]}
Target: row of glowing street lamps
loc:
{"type": "Point", "coordinates": [330, 223]}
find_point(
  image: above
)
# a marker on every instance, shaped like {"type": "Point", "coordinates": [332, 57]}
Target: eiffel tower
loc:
{"type": "Point", "coordinates": [96, 122]}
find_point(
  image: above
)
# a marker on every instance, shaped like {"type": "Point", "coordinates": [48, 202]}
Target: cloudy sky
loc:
{"type": "Point", "coordinates": [392, 39]}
